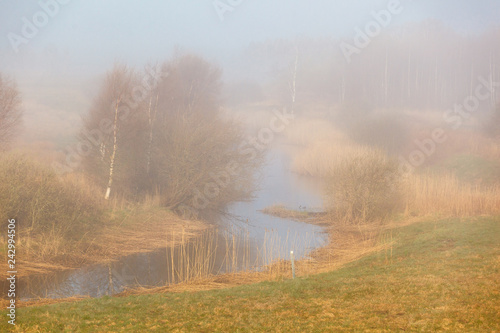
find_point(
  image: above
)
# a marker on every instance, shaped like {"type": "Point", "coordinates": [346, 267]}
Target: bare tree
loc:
{"type": "Point", "coordinates": [170, 139]}
{"type": "Point", "coordinates": [10, 111]}
{"type": "Point", "coordinates": [116, 108]}
{"type": "Point", "coordinates": [193, 145]}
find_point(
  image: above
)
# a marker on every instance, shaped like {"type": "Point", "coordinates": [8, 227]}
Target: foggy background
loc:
{"type": "Point", "coordinates": [59, 70]}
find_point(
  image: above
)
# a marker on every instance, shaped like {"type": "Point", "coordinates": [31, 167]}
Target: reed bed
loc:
{"type": "Point", "coordinates": [423, 193]}
{"type": "Point", "coordinates": [322, 158]}
{"type": "Point", "coordinates": [225, 258]}
{"type": "Point", "coordinates": [444, 194]}
{"type": "Point", "coordinates": [231, 251]}
{"type": "Point", "coordinates": [346, 244]}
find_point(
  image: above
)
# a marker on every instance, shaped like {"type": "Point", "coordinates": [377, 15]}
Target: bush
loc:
{"type": "Point", "coordinates": [364, 187]}
{"type": "Point", "coordinates": [41, 202]}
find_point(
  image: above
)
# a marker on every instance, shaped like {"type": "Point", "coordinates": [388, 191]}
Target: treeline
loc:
{"type": "Point", "coordinates": [418, 66]}
{"type": "Point", "coordinates": [160, 131]}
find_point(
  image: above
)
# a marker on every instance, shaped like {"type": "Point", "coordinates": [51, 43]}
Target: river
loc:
{"type": "Point", "coordinates": [250, 238]}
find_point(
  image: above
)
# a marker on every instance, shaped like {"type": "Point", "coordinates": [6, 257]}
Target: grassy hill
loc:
{"type": "Point", "coordinates": [440, 276]}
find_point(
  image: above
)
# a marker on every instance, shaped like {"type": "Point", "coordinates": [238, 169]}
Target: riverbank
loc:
{"type": "Point", "coordinates": [439, 275]}
{"type": "Point", "coordinates": [345, 244]}
{"type": "Point", "coordinates": [132, 229]}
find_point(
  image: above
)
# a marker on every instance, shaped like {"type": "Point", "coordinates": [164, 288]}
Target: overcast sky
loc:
{"type": "Point", "coordinates": [91, 34]}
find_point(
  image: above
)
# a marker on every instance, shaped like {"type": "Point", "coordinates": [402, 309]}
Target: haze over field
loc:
{"type": "Point", "coordinates": [81, 40]}
{"type": "Point", "coordinates": [229, 142]}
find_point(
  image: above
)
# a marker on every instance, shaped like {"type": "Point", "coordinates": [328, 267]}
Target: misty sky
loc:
{"type": "Point", "coordinates": [91, 35]}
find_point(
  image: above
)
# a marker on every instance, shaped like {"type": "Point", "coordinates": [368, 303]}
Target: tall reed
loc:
{"type": "Point", "coordinates": [229, 251]}
{"type": "Point", "coordinates": [445, 194]}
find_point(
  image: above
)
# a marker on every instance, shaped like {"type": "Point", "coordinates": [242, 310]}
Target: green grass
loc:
{"type": "Point", "coordinates": [442, 275]}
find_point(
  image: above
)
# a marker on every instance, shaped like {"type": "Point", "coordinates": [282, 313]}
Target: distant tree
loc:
{"type": "Point", "coordinates": [10, 112]}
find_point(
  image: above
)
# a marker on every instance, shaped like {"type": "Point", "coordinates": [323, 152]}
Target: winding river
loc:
{"type": "Point", "coordinates": [256, 238]}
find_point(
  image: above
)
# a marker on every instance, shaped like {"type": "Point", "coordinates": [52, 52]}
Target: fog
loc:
{"type": "Point", "coordinates": [240, 134]}
{"type": "Point", "coordinates": [88, 36]}
{"type": "Point", "coordinates": [426, 56]}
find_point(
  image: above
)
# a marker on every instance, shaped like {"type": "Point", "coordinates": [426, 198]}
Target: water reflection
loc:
{"type": "Point", "coordinates": [248, 240]}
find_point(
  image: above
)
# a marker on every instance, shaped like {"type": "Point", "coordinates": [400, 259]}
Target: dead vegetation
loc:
{"type": "Point", "coordinates": [346, 244]}
{"type": "Point", "coordinates": [282, 211]}
{"type": "Point", "coordinates": [63, 225]}
{"type": "Point", "coordinates": [366, 184]}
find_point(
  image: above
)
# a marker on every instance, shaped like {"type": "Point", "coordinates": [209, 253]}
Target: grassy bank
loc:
{"type": "Point", "coordinates": [438, 275]}
{"type": "Point", "coordinates": [284, 212]}
{"type": "Point", "coordinates": [62, 223]}
{"type": "Point", "coordinates": [127, 230]}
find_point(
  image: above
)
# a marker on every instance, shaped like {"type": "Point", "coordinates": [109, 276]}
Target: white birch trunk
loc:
{"type": "Point", "coordinates": [113, 155]}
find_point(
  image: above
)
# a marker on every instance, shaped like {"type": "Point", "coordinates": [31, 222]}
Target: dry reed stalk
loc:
{"type": "Point", "coordinates": [346, 244]}
{"type": "Point", "coordinates": [321, 158]}
{"type": "Point", "coordinates": [446, 195]}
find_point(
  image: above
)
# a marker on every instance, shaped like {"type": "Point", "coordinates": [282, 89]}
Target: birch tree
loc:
{"type": "Point", "coordinates": [168, 138]}
{"type": "Point", "coordinates": [109, 129]}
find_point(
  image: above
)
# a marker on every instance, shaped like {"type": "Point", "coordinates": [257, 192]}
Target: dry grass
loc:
{"type": "Point", "coordinates": [280, 210]}
{"type": "Point", "coordinates": [64, 222]}
{"type": "Point", "coordinates": [138, 231]}
{"type": "Point", "coordinates": [424, 193]}
{"type": "Point", "coordinates": [363, 187]}
{"type": "Point", "coordinates": [428, 194]}
{"type": "Point", "coordinates": [434, 276]}
{"type": "Point", "coordinates": [346, 244]}
{"type": "Point", "coordinates": [321, 158]}
{"type": "Point", "coordinates": [195, 258]}
{"type": "Point", "coordinates": [129, 229]}
{"type": "Point", "coordinates": [461, 141]}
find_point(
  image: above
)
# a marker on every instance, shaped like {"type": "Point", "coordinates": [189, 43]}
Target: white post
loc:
{"type": "Point", "coordinates": [293, 264]}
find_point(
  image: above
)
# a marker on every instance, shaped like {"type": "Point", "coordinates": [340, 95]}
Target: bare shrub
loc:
{"type": "Point", "coordinates": [44, 204]}
{"type": "Point", "coordinates": [364, 187]}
